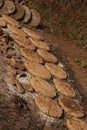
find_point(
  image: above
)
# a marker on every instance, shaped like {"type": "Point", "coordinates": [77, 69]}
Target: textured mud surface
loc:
{"type": "Point", "coordinates": [24, 64]}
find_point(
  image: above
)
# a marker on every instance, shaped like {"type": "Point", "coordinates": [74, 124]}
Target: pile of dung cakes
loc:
{"type": "Point", "coordinates": [34, 68]}
{"type": "Point", "coordinates": [20, 12]}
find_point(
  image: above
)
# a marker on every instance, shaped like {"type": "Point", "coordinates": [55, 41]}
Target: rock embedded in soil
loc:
{"type": "Point", "coordinates": [42, 87]}
{"type": "Point", "coordinates": [48, 106]}
{"type": "Point", "coordinates": [70, 106]}
{"type": "Point", "coordinates": [19, 13]}
{"type": "Point", "coordinates": [31, 55]}
{"type": "Point", "coordinates": [38, 70]}
{"type": "Point", "coordinates": [76, 124]}
{"type": "Point", "coordinates": [16, 31]}
{"type": "Point", "coordinates": [2, 23]}
{"type": "Point", "coordinates": [32, 33]}
{"type": "Point", "coordinates": [36, 19]}
{"type": "Point", "coordinates": [10, 20]}
{"type": "Point", "coordinates": [23, 42]}
{"type": "Point", "coordinates": [8, 7]}
{"type": "Point", "coordinates": [64, 88]}
{"type": "Point", "coordinates": [56, 71]}
{"type": "Point", "coordinates": [47, 56]}
{"type": "Point", "coordinates": [40, 44]}
{"type": "Point", "coordinates": [27, 16]}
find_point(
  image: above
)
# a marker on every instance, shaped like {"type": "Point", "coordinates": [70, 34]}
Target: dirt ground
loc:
{"type": "Point", "coordinates": [71, 54]}
{"type": "Point", "coordinates": [17, 114]}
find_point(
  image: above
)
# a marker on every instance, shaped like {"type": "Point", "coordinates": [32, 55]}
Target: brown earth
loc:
{"type": "Point", "coordinates": [17, 111]}
{"type": "Point", "coordinates": [72, 55]}
{"type": "Point", "coordinates": [16, 114]}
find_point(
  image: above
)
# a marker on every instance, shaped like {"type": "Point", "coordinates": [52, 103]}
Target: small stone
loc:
{"type": "Point", "coordinates": [37, 69]}
{"type": "Point", "coordinates": [70, 106]}
{"type": "Point", "coordinates": [32, 33]}
{"type": "Point", "coordinates": [10, 20]}
{"type": "Point", "coordinates": [19, 13]}
{"type": "Point", "coordinates": [42, 87]}
{"type": "Point", "coordinates": [40, 44]}
{"type": "Point", "coordinates": [48, 106]}
{"type": "Point", "coordinates": [31, 55]}
{"type": "Point", "coordinates": [36, 19]}
{"type": "Point", "coordinates": [64, 88]}
{"type": "Point", "coordinates": [47, 56]}
{"type": "Point", "coordinates": [2, 23]}
{"type": "Point", "coordinates": [27, 16]}
{"type": "Point", "coordinates": [56, 71]}
{"type": "Point", "coordinates": [23, 42]}
{"type": "Point", "coordinates": [16, 31]}
{"type": "Point", "coordinates": [8, 7]}
{"type": "Point", "coordinates": [76, 124]}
